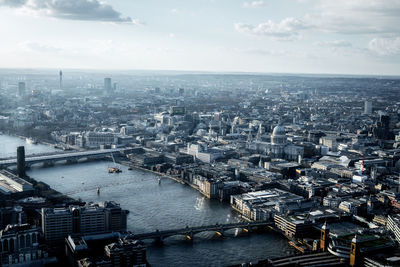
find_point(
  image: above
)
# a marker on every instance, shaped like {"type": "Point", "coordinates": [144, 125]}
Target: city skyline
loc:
{"type": "Point", "coordinates": [340, 37]}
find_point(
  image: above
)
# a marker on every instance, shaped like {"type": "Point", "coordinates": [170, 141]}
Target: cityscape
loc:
{"type": "Point", "coordinates": [207, 163]}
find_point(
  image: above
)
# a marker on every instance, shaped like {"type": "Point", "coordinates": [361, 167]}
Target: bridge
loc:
{"type": "Point", "coordinates": [71, 157]}
{"type": "Point", "coordinates": [189, 232]}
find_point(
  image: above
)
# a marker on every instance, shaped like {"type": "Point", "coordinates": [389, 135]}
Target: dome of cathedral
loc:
{"type": "Point", "coordinates": [278, 135]}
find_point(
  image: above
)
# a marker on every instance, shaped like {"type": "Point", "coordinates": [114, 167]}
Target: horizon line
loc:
{"type": "Point", "coordinates": [216, 72]}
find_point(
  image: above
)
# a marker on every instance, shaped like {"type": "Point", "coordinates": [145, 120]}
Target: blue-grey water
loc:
{"type": "Point", "coordinates": [153, 206]}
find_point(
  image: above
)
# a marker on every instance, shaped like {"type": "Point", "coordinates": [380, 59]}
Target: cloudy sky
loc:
{"type": "Point", "coordinates": [296, 36]}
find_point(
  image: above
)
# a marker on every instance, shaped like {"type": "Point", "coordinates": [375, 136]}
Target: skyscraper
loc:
{"type": "Point", "coordinates": [367, 107]}
{"type": "Point", "coordinates": [61, 87]}
{"type": "Point", "coordinates": [21, 89]}
{"type": "Point", "coordinates": [107, 85]}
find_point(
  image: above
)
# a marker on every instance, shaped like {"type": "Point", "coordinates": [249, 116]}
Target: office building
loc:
{"type": "Point", "coordinates": [126, 252]}
{"type": "Point", "coordinates": [107, 85]}
{"type": "Point", "coordinates": [19, 247]}
{"type": "Point", "coordinates": [21, 89]}
{"type": "Point", "coordinates": [367, 107]}
{"type": "Point", "coordinates": [58, 223]}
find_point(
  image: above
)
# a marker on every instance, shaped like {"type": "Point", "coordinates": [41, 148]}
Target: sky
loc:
{"type": "Point", "coordinates": [272, 36]}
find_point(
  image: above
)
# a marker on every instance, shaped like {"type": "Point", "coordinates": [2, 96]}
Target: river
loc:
{"type": "Point", "coordinates": [162, 206]}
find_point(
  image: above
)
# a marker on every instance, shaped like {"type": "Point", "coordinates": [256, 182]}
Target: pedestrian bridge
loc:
{"type": "Point", "coordinates": [189, 232]}
{"type": "Point", "coordinates": [50, 159]}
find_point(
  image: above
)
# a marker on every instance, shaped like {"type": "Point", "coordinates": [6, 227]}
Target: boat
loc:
{"type": "Point", "coordinates": [31, 141]}
{"type": "Point", "coordinates": [98, 190]}
{"type": "Point", "coordinates": [114, 169]}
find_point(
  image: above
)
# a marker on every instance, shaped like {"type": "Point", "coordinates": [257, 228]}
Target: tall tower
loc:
{"type": "Point", "coordinates": [354, 252]}
{"type": "Point", "coordinates": [21, 89]}
{"type": "Point", "coordinates": [61, 87]}
{"type": "Point", "coordinates": [21, 161]}
{"type": "Point", "coordinates": [324, 237]}
{"type": "Point", "coordinates": [367, 107]}
{"type": "Point", "coordinates": [107, 85]}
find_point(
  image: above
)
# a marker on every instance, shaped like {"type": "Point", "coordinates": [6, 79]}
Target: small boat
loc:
{"type": "Point", "coordinates": [159, 180]}
{"type": "Point", "coordinates": [114, 170]}
{"type": "Point", "coordinates": [98, 190]}
{"type": "Point", "coordinates": [31, 141]}
{"type": "Point", "coordinates": [130, 168]}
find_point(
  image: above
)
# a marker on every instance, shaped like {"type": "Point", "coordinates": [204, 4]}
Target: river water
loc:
{"type": "Point", "coordinates": [154, 206]}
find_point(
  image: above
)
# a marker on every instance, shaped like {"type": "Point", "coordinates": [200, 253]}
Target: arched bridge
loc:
{"type": "Point", "coordinates": [50, 159]}
{"type": "Point", "coordinates": [189, 232]}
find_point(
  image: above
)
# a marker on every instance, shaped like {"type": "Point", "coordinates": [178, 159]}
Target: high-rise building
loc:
{"type": "Point", "coordinates": [21, 89]}
{"type": "Point", "coordinates": [61, 76]}
{"type": "Point", "coordinates": [367, 107]}
{"type": "Point", "coordinates": [107, 85]}
{"type": "Point", "coordinates": [21, 161]}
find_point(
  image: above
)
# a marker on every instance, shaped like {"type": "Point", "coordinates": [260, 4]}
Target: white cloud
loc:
{"type": "Point", "coordinates": [356, 16]}
{"type": "Point", "coordinates": [334, 44]}
{"type": "Point", "coordinates": [385, 46]}
{"type": "Point", "coordinates": [90, 10]}
{"type": "Point", "coordinates": [253, 3]}
{"type": "Point", "coordinates": [30, 46]}
{"type": "Point", "coordinates": [287, 29]}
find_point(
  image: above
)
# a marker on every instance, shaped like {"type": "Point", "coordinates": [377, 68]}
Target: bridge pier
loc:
{"type": "Point", "coordinates": [49, 163]}
{"type": "Point", "coordinates": [220, 232]}
{"type": "Point", "coordinates": [158, 241]}
{"type": "Point", "coordinates": [189, 236]}
{"type": "Point", "coordinates": [72, 161]}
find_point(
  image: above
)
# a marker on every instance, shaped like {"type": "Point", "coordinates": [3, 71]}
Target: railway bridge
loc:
{"type": "Point", "coordinates": [71, 157]}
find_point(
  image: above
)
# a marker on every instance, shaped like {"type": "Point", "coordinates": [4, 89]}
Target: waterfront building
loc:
{"type": "Point", "coordinates": [11, 184]}
{"type": "Point", "coordinates": [203, 153]}
{"type": "Point", "coordinates": [58, 223]}
{"type": "Point", "coordinates": [126, 253]}
{"type": "Point", "coordinates": [96, 139]}
{"type": "Point", "coordinates": [262, 205]}
{"type": "Point", "coordinates": [109, 249]}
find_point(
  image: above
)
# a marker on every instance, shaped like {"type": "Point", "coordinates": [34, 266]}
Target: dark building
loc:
{"type": "Point", "coordinates": [126, 253]}
{"type": "Point", "coordinates": [21, 161]}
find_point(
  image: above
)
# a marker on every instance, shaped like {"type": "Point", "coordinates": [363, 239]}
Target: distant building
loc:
{"type": "Point", "coordinates": [96, 139]}
{"type": "Point", "coordinates": [107, 85]}
{"type": "Point", "coordinates": [21, 89]}
{"type": "Point", "coordinates": [177, 110]}
{"type": "Point", "coordinates": [278, 147]}
{"type": "Point", "coordinates": [367, 107]}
